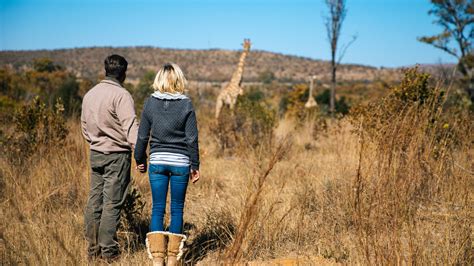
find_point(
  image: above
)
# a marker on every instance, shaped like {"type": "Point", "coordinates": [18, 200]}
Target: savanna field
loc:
{"type": "Point", "coordinates": [389, 179]}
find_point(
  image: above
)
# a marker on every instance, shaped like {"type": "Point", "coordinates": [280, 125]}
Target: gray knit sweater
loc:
{"type": "Point", "coordinates": [173, 127]}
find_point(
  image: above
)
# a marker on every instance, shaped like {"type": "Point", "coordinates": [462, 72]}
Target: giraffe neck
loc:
{"type": "Point", "coordinates": [237, 76]}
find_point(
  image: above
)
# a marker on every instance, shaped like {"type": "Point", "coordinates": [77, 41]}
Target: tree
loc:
{"type": "Point", "coordinates": [46, 80]}
{"type": "Point", "coordinates": [457, 19]}
{"type": "Point", "coordinates": [337, 14]}
{"type": "Point", "coordinates": [68, 92]}
{"type": "Point", "coordinates": [143, 90]}
{"type": "Point", "coordinates": [266, 77]}
{"type": "Point", "coordinates": [45, 65]}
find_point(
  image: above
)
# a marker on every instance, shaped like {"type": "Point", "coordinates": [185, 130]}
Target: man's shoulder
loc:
{"type": "Point", "coordinates": [91, 92]}
{"type": "Point", "coordinates": [108, 88]}
{"type": "Point", "coordinates": [112, 85]}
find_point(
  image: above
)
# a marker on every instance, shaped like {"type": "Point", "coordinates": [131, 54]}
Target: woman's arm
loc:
{"type": "Point", "coordinates": [192, 138]}
{"type": "Point", "coordinates": [143, 136]}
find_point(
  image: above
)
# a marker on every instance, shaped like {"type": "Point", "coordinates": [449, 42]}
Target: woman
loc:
{"type": "Point", "coordinates": [174, 159]}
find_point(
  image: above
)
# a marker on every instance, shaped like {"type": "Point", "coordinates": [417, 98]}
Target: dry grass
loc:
{"type": "Point", "coordinates": [340, 196]}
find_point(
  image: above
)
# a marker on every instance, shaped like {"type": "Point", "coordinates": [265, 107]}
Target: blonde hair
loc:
{"type": "Point", "coordinates": [170, 79]}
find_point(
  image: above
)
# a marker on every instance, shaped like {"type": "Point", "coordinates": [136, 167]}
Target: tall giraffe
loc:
{"type": "Point", "coordinates": [232, 90]}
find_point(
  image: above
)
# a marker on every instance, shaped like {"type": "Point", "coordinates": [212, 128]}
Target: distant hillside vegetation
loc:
{"type": "Point", "coordinates": [202, 65]}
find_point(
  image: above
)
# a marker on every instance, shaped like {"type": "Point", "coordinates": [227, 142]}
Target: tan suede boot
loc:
{"type": "Point", "coordinates": [156, 247]}
{"type": "Point", "coordinates": [175, 248]}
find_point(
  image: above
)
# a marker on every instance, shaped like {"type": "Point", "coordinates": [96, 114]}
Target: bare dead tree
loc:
{"type": "Point", "coordinates": [337, 14]}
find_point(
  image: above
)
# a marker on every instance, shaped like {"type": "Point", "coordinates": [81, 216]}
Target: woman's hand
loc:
{"type": "Point", "coordinates": [141, 168]}
{"type": "Point", "coordinates": [194, 175]}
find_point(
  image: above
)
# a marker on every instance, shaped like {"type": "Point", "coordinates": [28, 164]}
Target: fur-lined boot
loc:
{"type": "Point", "coordinates": [156, 247]}
{"type": "Point", "coordinates": [175, 248]}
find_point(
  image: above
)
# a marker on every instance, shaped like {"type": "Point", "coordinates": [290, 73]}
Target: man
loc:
{"type": "Point", "coordinates": [109, 126]}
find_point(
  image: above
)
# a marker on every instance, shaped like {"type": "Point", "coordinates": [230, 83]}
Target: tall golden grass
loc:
{"type": "Point", "coordinates": [399, 194]}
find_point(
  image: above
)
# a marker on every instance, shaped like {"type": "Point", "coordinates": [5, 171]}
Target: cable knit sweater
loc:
{"type": "Point", "coordinates": [172, 122]}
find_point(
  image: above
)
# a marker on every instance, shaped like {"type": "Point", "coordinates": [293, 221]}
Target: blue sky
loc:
{"type": "Point", "coordinates": [386, 29]}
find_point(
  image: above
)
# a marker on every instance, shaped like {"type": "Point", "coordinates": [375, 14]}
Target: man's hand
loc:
{"type": "Point", "coordinates": [141, 168]}
{"type": "Point", "coordinates": [194, 175]}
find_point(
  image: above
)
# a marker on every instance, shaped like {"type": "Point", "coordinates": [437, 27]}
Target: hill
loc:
{"type": "Point", "coordinates": [202, 65]}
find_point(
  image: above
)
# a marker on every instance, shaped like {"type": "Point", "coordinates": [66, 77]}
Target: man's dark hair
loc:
{"type": "Point", "coordinates": [115, 67]}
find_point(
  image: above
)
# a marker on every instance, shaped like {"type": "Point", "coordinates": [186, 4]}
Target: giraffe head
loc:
{"type": "Point", "coordinates": [246, 44]}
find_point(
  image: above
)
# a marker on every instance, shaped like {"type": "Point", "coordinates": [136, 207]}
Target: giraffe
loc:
{"type": "Point", "coordinates": [311, 102]}
{"type": "Point", "coordinates": [232, 90]}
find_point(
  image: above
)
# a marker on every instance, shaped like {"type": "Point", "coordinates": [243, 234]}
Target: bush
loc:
{"type": "Point", "coordinates": [407, 172]}
{"type": "Point", "coordinates": [143, 90]}
{"type": "Point", "coordinates": [7, 109]}
{"type": "Point", "coordinates": [342, 107]}
{"type": "Point", "coordinates": [36, 129]}
{"type": "Point", "coordinates": [266, 77]}
{"type": "Point", "coordinates": [133, 223]}
{"type": "Point", "coordinates": [68, 92]}
{"type": "Point", "coordinates": [414, 94]}
{"type": "Point", "coordinates": [251, 123]}
{"type": "Point", "coordinates": [46, 80]}
{"type": "Point", "coordinates": [45, 65]}
{"type": "Point", "coordinates": [294, 106]}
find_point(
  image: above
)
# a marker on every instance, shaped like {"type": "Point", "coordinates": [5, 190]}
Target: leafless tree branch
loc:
{"type": "Point", "coordinates": [344, 49]}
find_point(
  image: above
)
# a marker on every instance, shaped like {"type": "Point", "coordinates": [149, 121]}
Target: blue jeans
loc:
{"type": "Point", "coordinates": [177, 177]}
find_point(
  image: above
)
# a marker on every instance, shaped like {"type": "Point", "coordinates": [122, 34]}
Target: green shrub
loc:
{"type": "Point", "coordinates": [294, 106]}
{"type": "Point", "coordinates": [68, 92]}
{"type": "Point", "coordinates": [45, 65]}
{"type": "Point", "coordinates": [342, 106]}
{"type": "Point", "coordinates": [133, 223]}
{"type": "Point", "coordinates": [250, 124]}
{"type": "Point", "coordinates": [143, 90]}
{"type": "Point", "coordinates": [46, 80]}
{"type": "Point", "coordinates": [255, 119]}
{"type": "Point", "coordinates": [36, 129]}
{"type": "Point", "coordinates": [266, 77]}
{"type": "Point", "coordinates": [7, 108]}
{"type": "Point", "coordinates": [413, 93]}
{"type": "Point", "coordinates": [293, 103]}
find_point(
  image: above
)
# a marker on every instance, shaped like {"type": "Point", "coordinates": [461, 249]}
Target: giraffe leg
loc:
{"type": "Point", "coordinates": [218, 107]}
{"type": "Point", "coordinates": [232, 103]}
{"type": "Point", "coordinates": [231, 106]}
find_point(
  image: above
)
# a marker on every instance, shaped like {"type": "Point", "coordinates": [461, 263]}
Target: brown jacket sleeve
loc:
{"type": "Point", "coordinates": [84, 128]}
{"type": "Point", "coordinates": [125, 110]}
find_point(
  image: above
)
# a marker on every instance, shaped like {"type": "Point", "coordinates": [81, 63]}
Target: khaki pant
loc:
{"type": "Point", "coordinates": [110, 177]}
